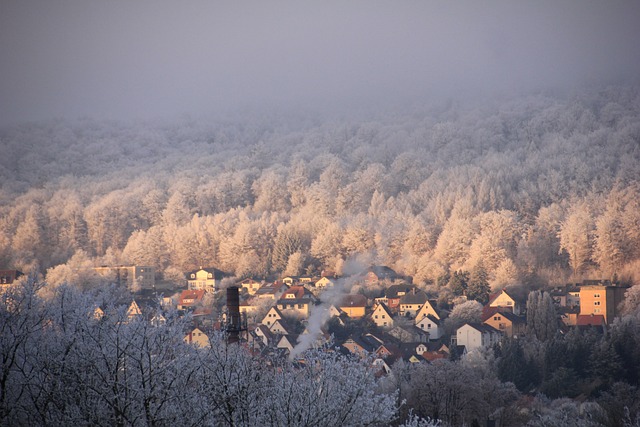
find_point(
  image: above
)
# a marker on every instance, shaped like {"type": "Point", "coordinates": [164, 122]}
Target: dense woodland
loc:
{"type": "Point", "coordinates": [533, 191]}
{"type": "Point", "coordinates": [539, 189]}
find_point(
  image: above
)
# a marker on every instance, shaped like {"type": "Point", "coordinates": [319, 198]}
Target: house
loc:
{"type": "Point", "coordinates": [158, 320]}
{"type": "Point", "coordinates": [382, 316]}
{"type": "Point", "coordinates": [569, 315]}
{"type": "Point", "coordinates": [429, 308]}
{"type": "Point", "coordinates": [272, 291]}
{"type": "Point", "coordinates": [8, 278]}
{"type": "Point", "coordinates": [413, 352]}
{"type": "Point", "coordinates": [408, 333]}
{"type": "Point", "coordinates": [98, 313]}
{"type": "Point", "coordinates": [287, 343]}
{"type": "Point", "coordinates": [504, 300]}
{"type": "Point", "coordinates": [248, 307]}
{"type": "Point", "coordinates": [601, 300]}
{"type": "Point", "coordinates": [436, 351]}
{"type": "Point", "coordinates": [263, 334]}
{"type": "Point", "coordinates": [134, 310]}
{"type": "Point", "coordinates": [411, 302]}
{"type": "Point", "coordinates": [280, 327]}
{"type": "Point", "coordinates": [190, 299]}
{"type": "Point", "coordinates": [360, 346]}
{"type": "Point", "coordinates": [507, 323]}
{"type": "Point", "coordinates": [207, 279]}
{"type": "Point", "coordinates": [476, 335]}
{"type": "Point", "coordinates": [432, 325]}
{"type": "Point", "coordinates": [272, 315]}
{"type": "Point", "coordinates": [353, 305]}
{"type": "Point", "coordinates": [135, 277]}
{"type": "Point", "coordinates": [393, 294]}
{"type": "Point", "coordinates": [295, 280]}
{"type": "Point", "coordinates": [568, 296]}
{"type": "Point", "coordinates": [324, 283]}
{"type": "Point", "coordinates": [378, 273]}
{"type": "Point", "coordinates": [250, 285]}
{"type": "Point", "coordinates": [197, 338]}
{"type": "Point", "coordinates": [296, 301]}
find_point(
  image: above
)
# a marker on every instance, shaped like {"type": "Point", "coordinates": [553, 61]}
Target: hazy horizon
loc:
{"type": "Point", "coordinates": [144, 59]}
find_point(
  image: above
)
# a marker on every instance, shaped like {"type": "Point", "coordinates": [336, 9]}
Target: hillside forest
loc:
{"type": "Point", "coordinates": [536, 190]}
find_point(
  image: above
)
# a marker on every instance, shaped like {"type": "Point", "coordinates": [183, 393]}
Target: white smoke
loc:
{"type": "Point", "coordinates": [320, 314]}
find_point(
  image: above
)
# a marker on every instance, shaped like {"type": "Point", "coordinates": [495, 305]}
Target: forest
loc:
{"type": "Point", "coordinates": [527, 192]}
{"type": "Point", "coordinates": [536, 189]}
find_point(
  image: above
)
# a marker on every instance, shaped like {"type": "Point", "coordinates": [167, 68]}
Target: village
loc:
{"type": "Point", "coordinates": [387, 319]}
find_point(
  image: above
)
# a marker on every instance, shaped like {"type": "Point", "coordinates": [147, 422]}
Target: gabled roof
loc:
{"type": "Point", "coordinates": [488, 311]}
{"type": "Point", "coordinates": [352, 300]}
{"type": "Point", "coordinates": [271, 288]}
{"type": "Point", "coordinates": [298, 292]}
{"type": "Point", "coordinates": [393, 290]}
{"type": "Point", "coordinates": [217, 274]}
{"type": "Point", "coordinates": [511, 317]}
{"type": "Point", "coordinates": [432, 319]}
{"type": "Point", "coordinates": [414, 297]}
{"type": "Point", "coordinates": [195, 295]}
{"type": "Point", "coordinates": [482, 328]}
{"type": "Point", "coordinates": [382, 306]}
{"type": "Point", "coordinates": [494, 296]}
{"type": "Point", "coordinates": [381, 272]}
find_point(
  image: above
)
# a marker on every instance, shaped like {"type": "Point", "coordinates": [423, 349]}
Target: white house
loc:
{"type": "Point", "coordinates": [432, 325]}
{"type": "Point", "coordinates": [475, 335]}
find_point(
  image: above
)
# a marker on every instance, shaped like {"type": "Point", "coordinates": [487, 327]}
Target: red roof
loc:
{"type": "Point", "coordinates": [195, 295]}
{"type": "Point", "coordinates": [590, 320]}
{"type": "Point", "coordinates": [298, 292]}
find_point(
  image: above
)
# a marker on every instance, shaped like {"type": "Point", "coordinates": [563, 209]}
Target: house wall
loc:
{"type": "Point", "coordinates": [501, 323]}
{"type": "Point", "coordinates": [504, 300]}
{"type": "Point", "coordinates": [602, 300]}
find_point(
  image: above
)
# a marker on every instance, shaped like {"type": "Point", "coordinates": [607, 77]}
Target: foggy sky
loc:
{"type": "Point", "coordinates": [143, 58]}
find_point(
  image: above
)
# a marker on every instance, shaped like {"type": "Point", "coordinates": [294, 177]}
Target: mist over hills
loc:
{"type": "Point", "coordinates": [537, 189]}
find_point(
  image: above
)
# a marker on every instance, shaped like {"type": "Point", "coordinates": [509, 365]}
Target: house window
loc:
{"type": "Point", "coordinates": [300, 306]}
{"type": "Point", "coordinates": [502, 326]}
{"type": "Point", "coordinates": [376, 316]}
{"type": "Point", "coordinates": [428, 325]}
{"type": "Point", "coordinates": [597, 310]}
{"type": "Point", "coordinates": [496, 318]}
{"type": "Point", "coordinates": [596, 295]}
{"type": "Point", "coordinates": [596, 303]}
{"type": "Point", "coordinates": [384, 317]}
{"type": "Point", "coordinates": [193, 276]}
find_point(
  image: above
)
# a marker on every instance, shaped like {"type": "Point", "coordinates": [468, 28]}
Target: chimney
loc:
{"type": "Point", "coordinates": [233, 326]}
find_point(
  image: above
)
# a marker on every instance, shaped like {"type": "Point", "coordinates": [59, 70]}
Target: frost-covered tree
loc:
{"type": "Point", "coordinates": [576, 237]}
{"type": "Point", "coordinates": [542, 321]}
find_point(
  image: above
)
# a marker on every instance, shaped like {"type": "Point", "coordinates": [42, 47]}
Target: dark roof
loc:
{"type": "Point", "coordinates": [352, 300]}
{"type": "Point", "coordinates": [414, 297]}
{"type": "Point", "coordinates": [482, 327]}
{"type": "Point", "coordinates": [217, 274]}
{"type": "Point", "coordinates": [509, 316]}
{"type": "Point", "coordinates": [382, 272]}
{"type": "Point", "coordinates": [393, 290]}
{"type": "Point", "coordinates": [488, 311]}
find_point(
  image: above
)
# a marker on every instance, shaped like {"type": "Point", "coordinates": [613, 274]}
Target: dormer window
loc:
{"type": "Point", "coordinates": [193, 276]}
{"type": "Point", "coordinates": [210, 276]}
